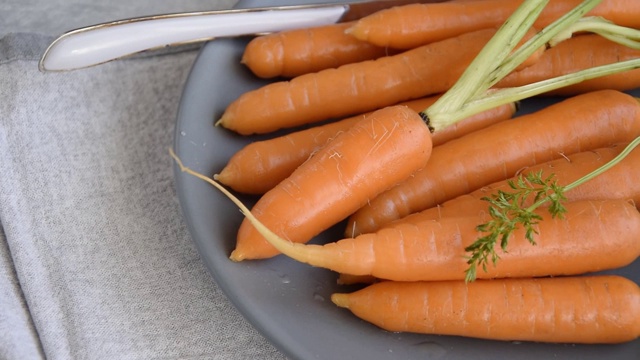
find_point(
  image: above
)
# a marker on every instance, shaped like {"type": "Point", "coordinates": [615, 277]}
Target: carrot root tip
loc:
{"type": "Point", "coordinates": [236, 256]}
{"type": "Point", "coordinates": [341, 300]}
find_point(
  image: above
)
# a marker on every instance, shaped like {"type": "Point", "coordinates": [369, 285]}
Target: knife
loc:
{"type": "Point", "coordinates": [101, 43]}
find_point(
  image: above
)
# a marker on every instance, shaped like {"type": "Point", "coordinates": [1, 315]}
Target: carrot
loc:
{"type": "Point", "coordinates": [617, 183]}
{"type": "Point", "coordinates": [296, 52]}
{"type": "Point", "coordinates": [303, 205]}
{"type": "Point", "coordinates": [261, 165]}
{"type": "Point", "coordinates": [576, 238]}
{"type": "Point", "coordinates": [410, 26]}
{"type": "Point", "coordinates": [588, 309]}
{"type": "Point", "coordinates": [592, 236]}
{"type": "Point", "coordinates": [321, 192]}
{"type": "Point", "coordinates": [354, 88]}
{"type": "Point", "coordinates": [580, 52]}
{"type": "Point", "coordinates": [588, 121]}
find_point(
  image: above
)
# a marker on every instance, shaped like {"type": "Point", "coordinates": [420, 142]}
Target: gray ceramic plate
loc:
{"type": "Point", "coordinates": [286, 301]}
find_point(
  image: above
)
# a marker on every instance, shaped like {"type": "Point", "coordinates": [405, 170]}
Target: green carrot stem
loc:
{"type": "Point", "coordinates": [611, 163]}
{"type": "Point", "coordinates": [499, 97]}
{"type": "Point", "coordinates": [474, 78]}
{"type": "Point", "coordinates": [542, 38]}
{"type": "Point", "coordinates": [598, 25]}
{"type": "Point", "coordinates": [497, 59]}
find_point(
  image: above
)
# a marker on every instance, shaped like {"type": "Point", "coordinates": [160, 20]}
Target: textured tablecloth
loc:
{"type": "Point", "coordinates": [95, 259]}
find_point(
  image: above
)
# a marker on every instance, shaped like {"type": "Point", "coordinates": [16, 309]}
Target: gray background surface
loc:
{"type": "Point", "coordinates": [95, 260]}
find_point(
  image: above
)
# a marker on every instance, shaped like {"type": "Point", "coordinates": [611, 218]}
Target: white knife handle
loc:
{"type": "Point", "coordinates": [105, 42]}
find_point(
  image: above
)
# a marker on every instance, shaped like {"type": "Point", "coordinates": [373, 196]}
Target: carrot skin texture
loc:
{"type": "Point", "coordinates": [593, 236]}
{"type": "Point", "coordinates": [376, 153]}
{"type": "Point", "coordinates": [583, 122]}
{"type": "Point", "coordinates": [354, 88]}
{"type": "Point", "coordinates": [575, 54]}
{"type": "Point", "coordinates": [296, 52]}
{"type": "Point", "coordinates": [261, 165]}
{"type": "Point", "coordinates": [589, 309]}
{"type": "Point", "coordinates": [618, 182]}
{"type": "Point", "coordinates": [413, 25]}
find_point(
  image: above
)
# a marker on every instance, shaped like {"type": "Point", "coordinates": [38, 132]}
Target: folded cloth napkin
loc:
{"type": "Point", "coordinates": [95, 259]}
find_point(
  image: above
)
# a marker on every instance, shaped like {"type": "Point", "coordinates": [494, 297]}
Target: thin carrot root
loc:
{"type": "Point", "coordinates": [593, 309]}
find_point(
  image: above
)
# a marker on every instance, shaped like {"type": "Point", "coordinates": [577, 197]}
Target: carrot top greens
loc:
{"type": "Point", "coordinates": [472, 93]}
{"type": "Point", "coordinates": [508, 211]}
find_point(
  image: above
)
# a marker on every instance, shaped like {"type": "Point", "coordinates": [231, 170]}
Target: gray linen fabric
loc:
{"type": "Point", "coordinates": [95, 259]}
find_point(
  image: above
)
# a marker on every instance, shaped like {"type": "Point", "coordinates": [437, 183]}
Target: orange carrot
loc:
{"type": "Point", "coordinates": [618, 182]}
{"type": "Point", "coordinates": [592, 236]}
{"type": "Point", "coordinates": [584, 122]}
{"type": "Point", "coordinates": [578, 53]}
{"type": "Point", "coordinates": [410, 26]}
{"type": "Point", "coordinates": [394, 141]}
{"type": "Point", "coordinates": [588, 309]}
{"type": "Point", "coordinates": [261, 165]}
{"type": "Point", "coordinates": [296, 52]}
{"type": "Point", "coordinates": [354, 88]}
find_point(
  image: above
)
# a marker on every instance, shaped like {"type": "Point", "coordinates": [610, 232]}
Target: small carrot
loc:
{"type": "Point", "coordinates": [588, 121]}
{"type": "Point", "coordinates": [354, 88]}
{"type": "Point", "coordinates": [410, 26]}
{"type": "Point", "coordinates": [586, 309]}
{"type": "Point", "coordinates": [374, 154]}
{"type": "Point", "coordinates": [261, 165]}
{"type": "Point", "coordinates": [616, 183]}
{"type": "Point", "coordinates": [296, 52]}
{"type": "Point", "coordinates": [580, 52]}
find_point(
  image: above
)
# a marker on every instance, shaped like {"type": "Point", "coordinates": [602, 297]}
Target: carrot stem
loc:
{"type": "Point", "coordinates": [496, 61]}
{"type": "Point", "coordinates": [596, 24]}
{"type": "Point", "coordinates": [498, 97]}
{"type": "Point", "coordinates": [474, 79]}
{"type": "Point", "coordinates": [632, 145]}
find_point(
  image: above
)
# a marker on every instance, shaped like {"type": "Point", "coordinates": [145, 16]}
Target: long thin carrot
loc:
{"type": "Point", "coordinates": [588, 309]}
{"type": "Point", "coordinates": [592, 236]}
{"type": "Point", "coordinates": [391, 143]}
{"type": "Point", "coordinates": [354, 88]}
{"type": "Point", "coordinates": [578, 53]}
{"type": "Point", "coordinates": [617, 183]}
{"type": "Point", "coordinates": [588, 121]}
{"type": "Point", "coordinates": [261, 165]}
{"type": "Point", "coordinates": [296, 52]}
{"type": "Point", "coordinates": [410, 26]}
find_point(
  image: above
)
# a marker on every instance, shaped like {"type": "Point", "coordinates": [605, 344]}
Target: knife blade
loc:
{"type": "Point", "coordinates": [101, 43]}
